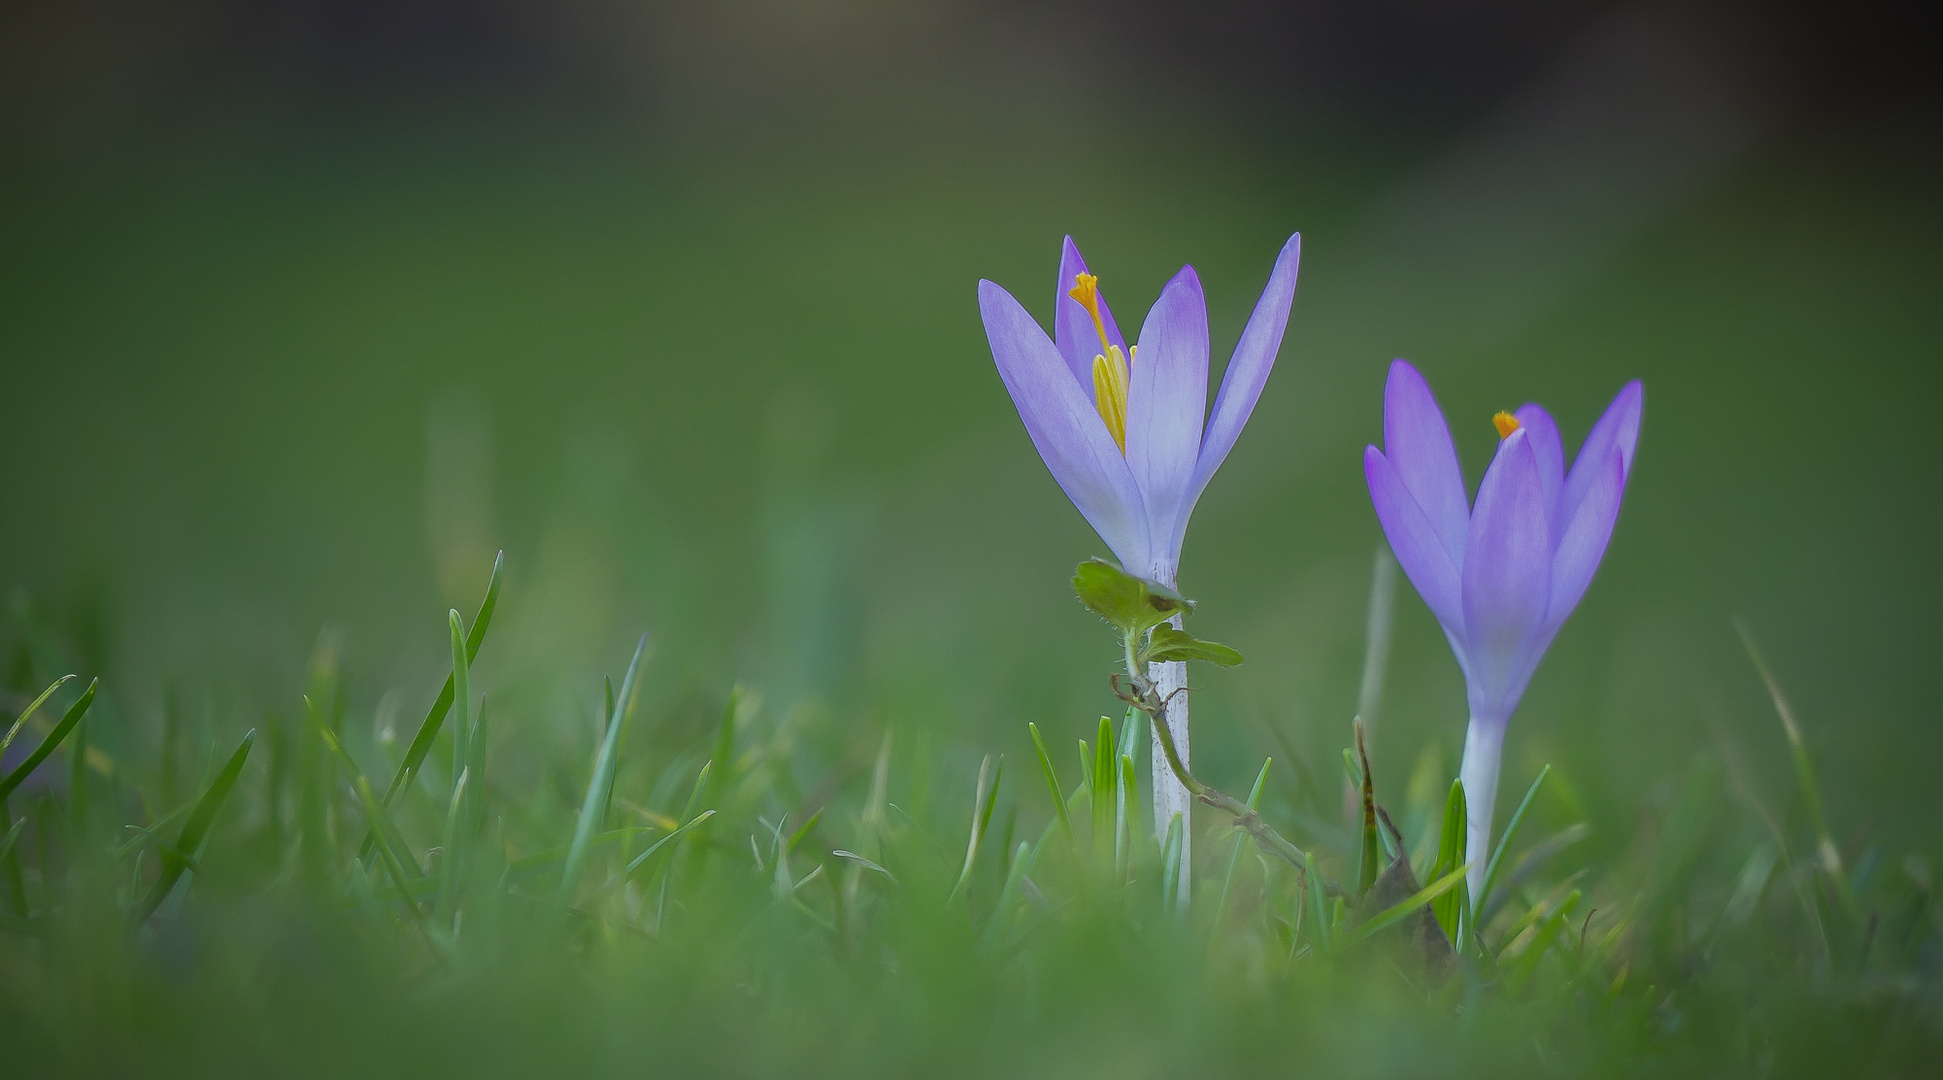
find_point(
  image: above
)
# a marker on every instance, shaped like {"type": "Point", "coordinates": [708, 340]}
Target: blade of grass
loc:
{"type": "Point", "coordinates": [600, 786]}
{"type": "Point", "coordinates": [428, 731]}
{"type": "Point", "coordinates": [1103, 771]}
{"type": "Point", "coordinates": [1371, 863]}
{"type": "Point", "coordinates": [461, 706]}
{"type": "Point", "coordinates": [1052, 781]}
{"type": "Point", "coordinates": [979, 814]}
{"type": "Point", "coordinates": [32, 707]}
{"type": "Point", "coordinates": [1129, 787]}
{"type": "Point", "coordinates": [1482, 899]}
{"type": "Point", "coordinates": [642, 859]}
{"type": "Point", "coordinates": [376, 818]}
{"type": "Point", "coordinates": [48, 745]}
{"type": "Point", "coordinates": [1170, 862]}
{"type": "Point", "coordinates": [1318, 903]}
{"type": "Point", "coordinates": [1811, 793]}
{"type": "Point", "coordinates": [1390, 916]}
{"type": "Point", "coordinates": [1527, 962]}
{"type": "Point", "coordinates": [196, 828]}
{"type": "Point", "coordinates": [1450, 853]}
{"type": "Point", "coordinates": [406, 886]}
{"type": "Point", "coordinates": [1240, 841]}
{"type": "Point", "coordinates": [449, 858]}
{"type": "Point", "coordinates": [1008, 900]}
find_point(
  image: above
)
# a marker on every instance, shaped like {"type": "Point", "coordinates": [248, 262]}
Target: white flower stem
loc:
{"type": "Point", "coordinates": [1170, 798]}
{"type": "Point", "coordinates": [1483, 746]}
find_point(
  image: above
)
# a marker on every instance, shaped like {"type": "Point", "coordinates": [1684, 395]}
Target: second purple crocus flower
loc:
{"type": "Point", "coordinates": [1500, 576]}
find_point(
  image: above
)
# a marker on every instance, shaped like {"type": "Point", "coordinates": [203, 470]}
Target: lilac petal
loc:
{"type": "Point", "coordinates": [1166, 400]}
{"type": "Point", "coordinates": [1065, 426]}
{"type": "Point", "coordinates": [1072, 327]}
{"type": "Point", "coordinates": [1247, 372]}
{"type": "Point", "coordinates": [1586, 535]}
{"type": "Point", "coordinates": [1619, 426]}
{"type": "Point", "coordinates": [1419, 445]}
{"type": "Point", "coordinates": [1507, 577]}
{"type": "Point", "coordinates": [1422, 555]}
{"type": "Point", "coordinates": [1551, 462]}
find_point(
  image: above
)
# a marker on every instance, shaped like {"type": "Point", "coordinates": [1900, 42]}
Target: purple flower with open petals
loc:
{"type": "Point", "coordinates": [1126, 431]}
{"type": "Point", "coordinates": [1501, 576]}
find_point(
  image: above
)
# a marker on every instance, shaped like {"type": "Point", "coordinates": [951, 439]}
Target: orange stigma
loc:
{"type": "Point", "coordinates": [1506, 424]}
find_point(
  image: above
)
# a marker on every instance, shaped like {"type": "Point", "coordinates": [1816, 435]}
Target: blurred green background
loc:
{"type": "Point", "coordinates": [305, 313]}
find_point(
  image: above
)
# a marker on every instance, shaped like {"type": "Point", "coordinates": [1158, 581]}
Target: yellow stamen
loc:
{"type": "Point", "coordinates": [1110, 375]}
{"type": "Point", "coordinates": [1110, 393]}
{"type": "Point", "coordinates": [1507, 424]}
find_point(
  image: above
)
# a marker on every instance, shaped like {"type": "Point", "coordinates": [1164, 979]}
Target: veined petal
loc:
{"type": "Point", "coordinates": [1065, 427]}
{"type": "Point", "coordinates": [1247, 372]}
{"type": "Point", "coordinates": [1586, 535]}
{"type": "Point", "coordinates": [1619, 426]}
{"type": "Point", "coordinates": [1419, 444]}
{"type": "Point", "coordinates": [1165, 404]}
{"type": "Point", "coordinates": [1507, 578]}
{"type": "Point", "coordinates": [1072, 326]}
{"type": "Point", "coordinates": [1422, 555]}
{"type": "Point", "coordinates": [1543, 436]}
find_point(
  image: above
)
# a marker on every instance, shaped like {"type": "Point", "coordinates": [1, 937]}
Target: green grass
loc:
{"type": "Point", "coordinates": [736, 396]}
{"type": "Point", "coordinates": [698, 911]}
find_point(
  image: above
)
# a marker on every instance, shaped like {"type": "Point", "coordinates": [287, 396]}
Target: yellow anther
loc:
{"type": "Point", "coordinates": [1110, 393]}
{"type": "Point", "coordinates": [1507, 424]}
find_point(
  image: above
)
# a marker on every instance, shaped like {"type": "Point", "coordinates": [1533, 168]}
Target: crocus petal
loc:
{"type": "Point", "coordinates": [1247, 372]}
{"type": "Point", "coordinates": [1543, 436]}
{"type": "Point", "coordinates": [1419, 445]}
{"type": "Point", "coordinates": [1072, 327]}
{"type": "Point", "coordinates": [1619, 427]}
{"type": "Point", "coordinates": [1507, 578]}
{"type": "Point", "coordinates": [1065, 426]}
{"type": "Point", "coordinates": [1166, 400]}
{"type": "Point", "coordinates": [1425, 560]}
{"type": "Point", "coordinates": [1585, 536]}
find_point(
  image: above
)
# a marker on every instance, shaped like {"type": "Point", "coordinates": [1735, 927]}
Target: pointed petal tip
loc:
{"type": "Point", "coordinates": [1186, 278]}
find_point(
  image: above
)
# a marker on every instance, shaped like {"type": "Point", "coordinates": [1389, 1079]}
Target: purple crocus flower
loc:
{"type": "Point", "coordinates": [1126, 431]}
{"type": "Point", "coordinates": [1501, 576]}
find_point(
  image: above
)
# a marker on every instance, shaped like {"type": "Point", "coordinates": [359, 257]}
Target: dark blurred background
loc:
{"type": "Point", "coordinates": [308, 308]}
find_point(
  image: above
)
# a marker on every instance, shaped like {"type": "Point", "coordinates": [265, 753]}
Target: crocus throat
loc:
{"type": "Point", "coordinates": [1506, 423]}
{"type": "Point", "coordinates": [1109, 367]}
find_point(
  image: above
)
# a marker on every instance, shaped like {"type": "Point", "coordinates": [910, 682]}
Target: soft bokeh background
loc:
{"type": "Point", "coordinates": [306, 310]}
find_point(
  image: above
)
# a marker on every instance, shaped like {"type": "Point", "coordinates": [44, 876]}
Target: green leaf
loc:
{"type": "Point", "coordinates": [600, 786]}
{"type": "Point", "coordinates": [1168, 645]}
{"type": "Point", "coordinates": [1390, 916]}
{"type": "Point", "coordinates": [1450, 854]}
{"type": "Point", "coordinates": [1131, 603]}
{"type": "Point", "coordinates": [982, 797]}
{"type": "Point", "coordinates": [1504, 844]}
{"type": "Point", "coordinates": [1052, 781]}
{"type": "Point", "coordinates": [32, 707]}
{"type": "Point", "coordinates": [1103, 777]}
{"type": "Point", "coordinates": [1372, 843]}
{"type": "Point", "coordinates": [189, 840]}
{"type": "Point", "coordinates": [1234, 850]}
{"type": "Point", "coordinates": [1318, 903]}
{"type": "Point", "coordinates": [642, 859]}
{"type": "Point", "coordinates": [428, 731]}
{"type": "Point", "coordinates": [54, 738]}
